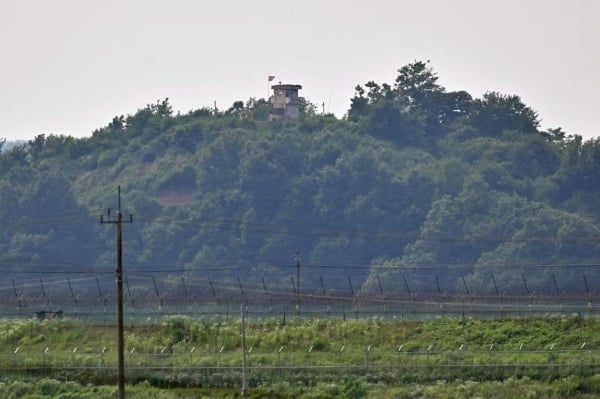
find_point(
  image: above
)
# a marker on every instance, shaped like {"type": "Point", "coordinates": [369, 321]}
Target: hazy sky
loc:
{"type": "Point", "coordinates": [68, 66]}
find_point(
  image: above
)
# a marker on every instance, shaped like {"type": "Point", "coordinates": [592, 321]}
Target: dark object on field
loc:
{"type": "Point", "coordinates": [48, 314]}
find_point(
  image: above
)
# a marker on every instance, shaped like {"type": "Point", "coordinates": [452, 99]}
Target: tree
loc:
{"type": "Point", "coordinates": [236, 107]}
{"type": "Point", "coordinates": [415, 174]}
{"type": "Point", "coordinates": [361, 106]}
{"type": "Point", "coordinates": [162, 108]}
{"type": "Point", "coordinates": [306, 108]}
{"type": "Point", "coordinates": [556, 135]}
{"type": "Point", "coordinates": [387, 120]}
{"type": "Point", "coordinates": [118, 123]}
{"type": "Point", "coordinates": [12, 159]}
{"type": "Point", "coordinates": [416, 110]}
{"type": "Point", "coordinates": [494, 113]}
{"type": "Point", "coordinates": [36, 146]}
{"type": "Point", "coordinates": [358, 104]}
{"type": "Point", "coordinates": [146, 121]}
{"type": "Point", "coordinates": [258, 109]}
{"type": "Point", "coordinates": [580, 166]}
{"type": "Point", "coordinates": [417, 84]}
{"type": "Point", "coordinates": [541, 236]}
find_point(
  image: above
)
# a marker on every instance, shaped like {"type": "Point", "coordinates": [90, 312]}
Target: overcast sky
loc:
{"type": "Point", "coordinates": [68, 66]}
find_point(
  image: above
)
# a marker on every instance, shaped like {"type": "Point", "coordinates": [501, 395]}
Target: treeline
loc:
{"type": "Point", "coordinates": [414, 182]}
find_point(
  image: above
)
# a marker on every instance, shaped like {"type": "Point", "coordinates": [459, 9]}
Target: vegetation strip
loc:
{"type": "Point", "coordinates": [316, 352]}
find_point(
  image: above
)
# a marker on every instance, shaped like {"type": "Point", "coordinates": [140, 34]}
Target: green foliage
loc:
{"type": "Point", "coordinates": [474, 370]}
{"type": "Point", "coordinates": [354, 389]}
{"type": "Point", "coordinates": [496, 113]}
{"type": "Point", "coordinates": [415, 175]}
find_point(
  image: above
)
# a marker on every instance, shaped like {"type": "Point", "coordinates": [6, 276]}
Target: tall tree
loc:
{"type": "Point", "coordinates": [494, 113]}
{"type": "Point", "coordinates": [417, 84]}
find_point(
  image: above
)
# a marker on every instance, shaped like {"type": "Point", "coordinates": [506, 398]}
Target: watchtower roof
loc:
{"type": "Point", "coordinates": [286, 87]}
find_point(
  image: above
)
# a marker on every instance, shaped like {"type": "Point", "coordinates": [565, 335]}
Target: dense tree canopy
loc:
{"type": "Point", "coordinates": [416, 181]}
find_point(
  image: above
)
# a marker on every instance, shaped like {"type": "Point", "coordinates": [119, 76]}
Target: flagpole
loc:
{"type": "Point", "coordinates": [269, 79]}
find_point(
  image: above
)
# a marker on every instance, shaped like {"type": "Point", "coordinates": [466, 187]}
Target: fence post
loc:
{"type": "Point", "coordinates": [279, 360]}
{"type": "Point", "coordinates": [129, 293]}
{"type": "Point", "coordinates": [102, 355]}
{"type": "Point", "coordinates": [400, 356]}
{"type": "Point", "coordinates": [382, 296]}
{"type": "Point", "coordinates": [187, 294]}
{"type": "Point", "coordinates": [160, 298]}
{"type": "Point", "coordinates": [15, 355]}
{"type": "Point", "coordinates": [46, 354]}
{"type": "Point", "coordinates": [44, 293]}
{"type": "Point", "coordinates": [324, 292]}
{"type": "Point", "coordinates": [520, 354]}
{"type": "Point", "coordinates": [267, 295]}
{"type": "Point", "coordinates": [429, 350]}
{"type": "Point", "coordinates": [72, 294]}
{"type": "Point", "coordinates": [16, 296]}
{"type": "Point", "coordinates": [581, 359]}
{"type": "Point", "coordinates": [244, 390]}
{"type": "Point", "coordinates": [131, 355]}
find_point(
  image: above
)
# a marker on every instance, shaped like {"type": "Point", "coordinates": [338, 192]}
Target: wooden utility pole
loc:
{"type": "Point", "coordinates": [244, 353]}
{"type": "Point", "coordinates": [119, 274]}
{"type": "Point", "coordinates": [297, 258]}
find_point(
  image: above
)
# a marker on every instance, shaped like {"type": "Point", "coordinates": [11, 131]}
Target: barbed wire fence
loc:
{"type": "Point", "coordinates": [154, 295]}
{"type": "Point", "coordinates": [222, 366]}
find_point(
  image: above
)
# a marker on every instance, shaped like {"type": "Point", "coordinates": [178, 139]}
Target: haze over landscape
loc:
{"type": "Point", "coordinates": [69, 67]}
{"type": "Point", "coordinates": [415, 212]}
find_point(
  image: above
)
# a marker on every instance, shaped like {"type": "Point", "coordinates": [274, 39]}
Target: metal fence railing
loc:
{"type": "Point", "coordinates": [219, 365]}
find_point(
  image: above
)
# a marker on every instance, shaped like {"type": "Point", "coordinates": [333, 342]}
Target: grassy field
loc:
{"type": "Point", "coordinates": [183, 358]}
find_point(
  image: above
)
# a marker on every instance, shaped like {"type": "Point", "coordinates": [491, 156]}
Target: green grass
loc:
{"type": "Point", "coordinates": [180, 357]}
{"type": "Point", "coordinates": [570, 387]}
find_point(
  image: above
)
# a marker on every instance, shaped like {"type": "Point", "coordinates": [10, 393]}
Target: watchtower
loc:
{"type": "Point", "coordinates": [285, 103]}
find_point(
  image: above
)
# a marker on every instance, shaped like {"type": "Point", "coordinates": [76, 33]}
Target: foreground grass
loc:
{"type": "Point", "coordinates": [572, 387]}
{"type": "Point", "coordinates": [71, 359]}
{"type": "Point", "coordinates": [182, 333]}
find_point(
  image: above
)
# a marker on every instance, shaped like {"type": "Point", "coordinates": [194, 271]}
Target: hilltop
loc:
{"type": "Point", "coordinates": [414, 182]}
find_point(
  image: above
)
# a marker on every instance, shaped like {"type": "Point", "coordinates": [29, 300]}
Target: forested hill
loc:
{"type": "Point", "coordinates": [416, 182]}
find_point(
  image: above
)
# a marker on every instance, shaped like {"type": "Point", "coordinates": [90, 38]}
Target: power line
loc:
{"type": "Point", "coordinates": [271, 228]}
{"type": "Point", "coordinates": [254, 267]}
